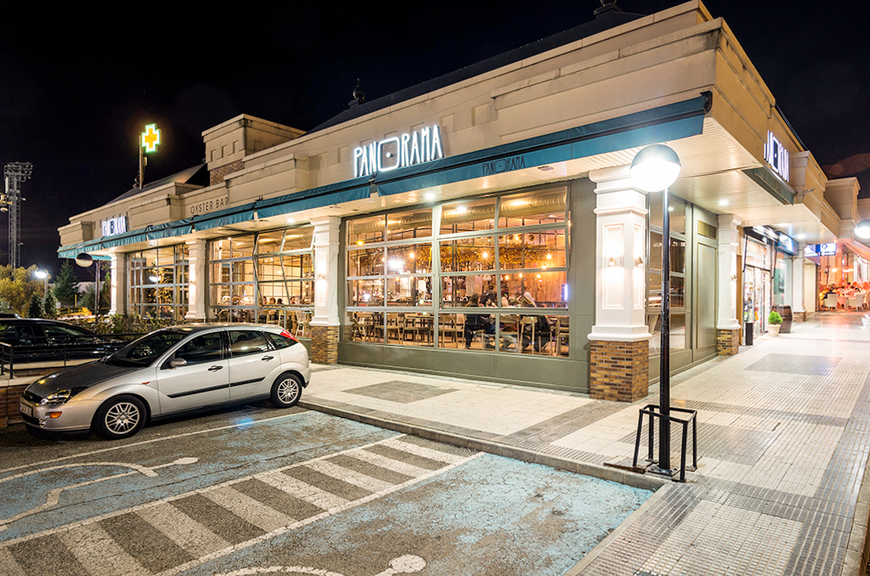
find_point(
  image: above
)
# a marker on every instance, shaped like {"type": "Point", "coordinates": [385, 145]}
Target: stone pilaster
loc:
{"type": "Point", "coordinates": [619, 370]}
{"type": "Point", "coordinates": [197, 286]}
{"type": "Point", "coordinates": [9, 413]}
{"type": "Point", "coordinates": [325, 324]}
{"type": "Point", "coordinates": [727, 324]}
{"type": "Point", "coordinates": [727, 342]}
{"type": "Point", "coordinates": [118, 288]}
{"type": "Point", "coordinates": [324, 344]}
{"type": "Point", "coordinates": [798, 311]}
{"type": "Point", "coordinates": [619, 360]}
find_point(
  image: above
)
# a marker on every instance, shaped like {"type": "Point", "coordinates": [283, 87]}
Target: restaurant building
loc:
{"type": "Point", "coordinates": [504, 184]}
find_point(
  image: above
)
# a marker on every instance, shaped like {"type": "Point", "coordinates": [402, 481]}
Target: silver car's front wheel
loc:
{"type": "Point", "coordinates": [286, 390]}
{"type": "Point", "coordinates": [120, 417]}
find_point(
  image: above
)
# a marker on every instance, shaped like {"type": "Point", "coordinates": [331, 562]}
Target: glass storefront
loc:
{"type": "Point", "coordinates": [412, 275]}
{"type": "Point", "coordinates": [158, 282]}
{"type": "Point", "coordinates": [757, 296]}
{"type": "Point", "coordinates": [264, 277]}
{"type": "Point", "coordinates": [678, 302]}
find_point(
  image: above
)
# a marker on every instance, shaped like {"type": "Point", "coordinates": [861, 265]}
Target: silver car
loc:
{"type": "Point", "coordinates": [169, 372]}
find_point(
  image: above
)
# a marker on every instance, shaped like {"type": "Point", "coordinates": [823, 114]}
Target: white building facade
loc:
{"type": "Point", "coordinates": [506, 183]}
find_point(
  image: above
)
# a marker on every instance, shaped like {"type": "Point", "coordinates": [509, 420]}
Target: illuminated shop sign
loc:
{"type": "Point", "coordinates": [151, 138]}
{"type": "Point", "coordinates": [776, 155]}
{"type": "Point", "coordinates": [419, 146]}
{"type": "Point", "coordinates": [113, 226]}
{"type": "Point", "coordinates": [827, 249]}
{"type": "Point", "coordinates": [787, 243]}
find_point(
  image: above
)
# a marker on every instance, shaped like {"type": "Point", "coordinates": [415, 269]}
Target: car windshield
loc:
{"type": "Point", "coordinates": [147, 349]}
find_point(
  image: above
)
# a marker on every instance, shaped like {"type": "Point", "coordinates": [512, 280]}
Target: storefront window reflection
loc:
{"type": "Point", "coordinates": [266, 277]}
{"type": "Point", "coordinates": [158, 282]}
{"type": "Point", "coordinates": [507, 254]}
{"type": "Point", "coordinates": [678, 302]}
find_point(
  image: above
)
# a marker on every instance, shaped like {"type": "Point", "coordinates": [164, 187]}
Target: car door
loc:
{"type": "Point", "coordinates": [253, 364]}
{"type": "Point", "coordinates": [204, 379]}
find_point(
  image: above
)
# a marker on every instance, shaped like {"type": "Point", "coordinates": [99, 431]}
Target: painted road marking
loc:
{"type": "Point", "coordinates": [98, 553]}
{"type": "Point", "coordinates": [350, 476]}
{"type": "Point", "coordinates": [385, 462]}
{"type": "Point", "coordinates": [422, 451]}
{"type": "Point", "coordinates": [192, 536]}
{"type": "Point", "coordinates": [311, 494]}
{"type": "Point", "coordinates": [53, 496]}
{"type": "Point", "coordinates": [248, 509]}
{"type": "Point", "coordinates": [196, 527]}
{"type": "Point", "coordinates": [406, 564]}
{"type": "Point", "coordinates": [246, 423]}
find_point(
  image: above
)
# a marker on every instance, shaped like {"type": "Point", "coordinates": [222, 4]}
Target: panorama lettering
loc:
{"type": "Point", "coordinates": [419, 146]}
{"type": "Point", "coordinates": [503, 165]}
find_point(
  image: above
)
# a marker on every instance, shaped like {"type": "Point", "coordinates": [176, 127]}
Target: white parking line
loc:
{"type": "Point", "coordinates": [302, 490]}
{"type": "Point", "coordinates": [349, 476]}
{"type": "Point", "coordinates": [248, 509]}
{"type": "Point", "coordinates": [182, 529]}
{"type": "Point", "coordinates": [98, 553]}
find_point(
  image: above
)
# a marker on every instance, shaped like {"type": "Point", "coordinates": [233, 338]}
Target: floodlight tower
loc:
{"type": "Point", "coordinates": [10, 201]}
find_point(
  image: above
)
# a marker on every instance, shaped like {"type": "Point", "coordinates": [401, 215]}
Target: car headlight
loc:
{"type": "Point", "coordinates": [60, 396]}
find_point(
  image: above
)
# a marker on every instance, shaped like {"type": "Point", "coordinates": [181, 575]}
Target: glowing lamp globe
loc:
{"type": "Point", "coordinates": [862, 230]}
{"type": "Point", "coordinates": [655, 168]}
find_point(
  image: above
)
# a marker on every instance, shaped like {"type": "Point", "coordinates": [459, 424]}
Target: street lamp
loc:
{"type": "Point", "coordinates": [862, 230]}
{"type": "Point", "coordinates": [655, 168]}
{"type": "Point", "coordinates": [43, 275]}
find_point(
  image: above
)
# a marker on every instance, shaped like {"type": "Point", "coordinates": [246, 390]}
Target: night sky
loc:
{"type": "Point", "coordinates": [77, 85]}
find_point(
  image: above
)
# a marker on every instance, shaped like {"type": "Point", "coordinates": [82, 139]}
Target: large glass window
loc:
{"type": "Point", "coordinates": [677, 256]}
{"type": "Point", "coordinates": [158, 282]}
{"type": "Point", "coordinates": [507, 253]}
{"type": "Point", "coordinates": [265, 277]}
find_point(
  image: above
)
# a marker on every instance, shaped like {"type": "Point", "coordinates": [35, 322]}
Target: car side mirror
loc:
{"type": "Point", "coordinates": [176, 362]}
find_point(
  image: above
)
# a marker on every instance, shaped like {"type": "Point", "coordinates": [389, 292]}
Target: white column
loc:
{"type": "Point", "coordinates": [197, 280]}
{"type": "Point", "coordinates": [620, 269]}
{"type": "Point", "coordinates": [326, 268]}
{"type": "Point", "coordinates": [118, 289]}
{"type": "Point", "coordinates": [729, 246]}
{"type": "Point", "coordinates": [797, 281]}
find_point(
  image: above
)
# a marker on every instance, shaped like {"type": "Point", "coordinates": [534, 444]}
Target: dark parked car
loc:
{"type": "Point", "coordinates": [35, 339]}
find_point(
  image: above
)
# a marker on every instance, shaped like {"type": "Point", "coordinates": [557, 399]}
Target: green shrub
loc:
{"type": "Point", "coordinates": [774, 318]}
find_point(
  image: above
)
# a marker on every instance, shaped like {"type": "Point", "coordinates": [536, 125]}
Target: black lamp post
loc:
{"type": "Point", "coordinates": [655, 168]}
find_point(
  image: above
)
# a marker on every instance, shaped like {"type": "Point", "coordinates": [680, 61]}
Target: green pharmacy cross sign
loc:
{"type": "Point", "coordinates": [151, 138]}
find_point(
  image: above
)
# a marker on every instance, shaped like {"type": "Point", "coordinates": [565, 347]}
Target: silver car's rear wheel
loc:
{"type": "Point", "coordinates": [286, 390]}
{"type": "Point", "coordinates": [120, 417]}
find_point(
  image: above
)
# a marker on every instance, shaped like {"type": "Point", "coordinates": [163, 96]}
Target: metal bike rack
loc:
{"type": "Point", "coordinates": [653, 411]}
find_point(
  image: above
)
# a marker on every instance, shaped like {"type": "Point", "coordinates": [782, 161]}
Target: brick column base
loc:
{"type": "Point", "coordinates": [799, 317]}
{"type": "Point", "coordinates": [619, 371]}
{"type": "Point", "coordinates": [727, 342]}
{"type": "Point", "coordinates": [324, 344]}
{"type": "Point", "coordinates": [9, 413]}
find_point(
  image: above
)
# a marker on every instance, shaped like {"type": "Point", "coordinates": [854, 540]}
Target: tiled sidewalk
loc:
{"type": "Point", "coordinates": [783, 436]}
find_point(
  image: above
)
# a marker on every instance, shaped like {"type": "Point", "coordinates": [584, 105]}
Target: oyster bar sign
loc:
{"type": "Point", "coordinates": [419, 146]}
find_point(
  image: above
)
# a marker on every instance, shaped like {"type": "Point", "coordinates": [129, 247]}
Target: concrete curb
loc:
{"type": "Point", "coordinates": [634, 480]}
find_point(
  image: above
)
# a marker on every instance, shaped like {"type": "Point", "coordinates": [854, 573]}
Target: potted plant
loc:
{"type": "Point", "coordinates": [774, 322]}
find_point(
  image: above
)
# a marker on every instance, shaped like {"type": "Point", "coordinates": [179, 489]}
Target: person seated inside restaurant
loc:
{"type": "Point", "coordinates": [536, 328]}
{"type": "Point", "coordinates": [474, 323]}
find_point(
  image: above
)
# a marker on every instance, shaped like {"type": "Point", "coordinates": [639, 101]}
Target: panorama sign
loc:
{"type": "Point", "coordinates": [407, 149]}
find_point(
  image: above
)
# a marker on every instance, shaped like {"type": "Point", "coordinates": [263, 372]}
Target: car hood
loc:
{"type": "Point", "coordinates": [81, 376]}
